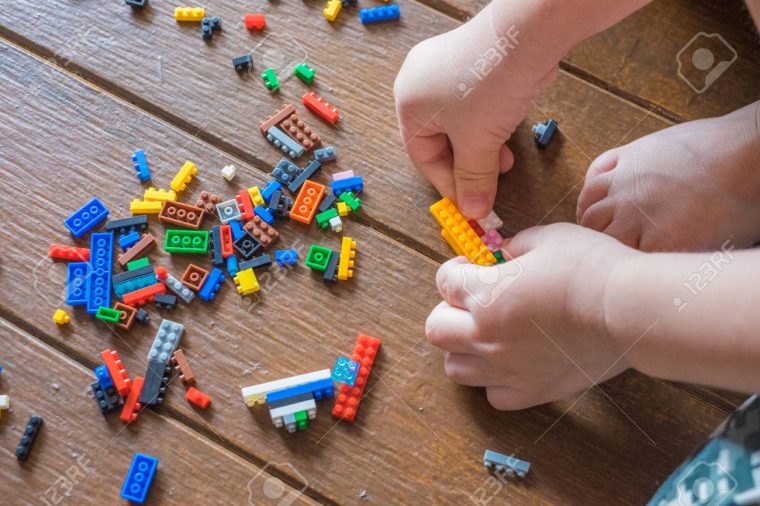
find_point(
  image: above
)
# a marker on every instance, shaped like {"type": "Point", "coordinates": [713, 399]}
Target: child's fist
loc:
{"type": "Point", "coordinates": [531, 330]}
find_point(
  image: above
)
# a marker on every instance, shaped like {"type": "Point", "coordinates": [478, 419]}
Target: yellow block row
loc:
{"type": "Point", "coordinates": [347, 255]}
{"type": "Point", "coordinates": [459, 234]}
{"type": "Point", "coordinates": [184, 176]}
{"type": "Point", "coordinates": [192, 14]}
{"type": "Point", "coordinates": [151, 194]}
{"type": "Point", "coordinates": [145, 207]}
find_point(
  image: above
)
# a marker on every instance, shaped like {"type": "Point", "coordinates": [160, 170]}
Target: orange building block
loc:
{"type": "Point", "coordinates": [143, 295]}
{"type": "Point", "coordinates": [348, 398]}
{"type": "Point", "coordinates": [116, 369]}
{"type": "Point", "coordinates": [131, 406]}
{"type": "Point", "coordinates": [307, 201]}
{"type": "Point", "coordinates": [195, 396]}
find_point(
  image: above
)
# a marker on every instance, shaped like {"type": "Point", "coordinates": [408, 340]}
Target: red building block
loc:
{"type": "Point", "coordinates": [318, 106]}
{"type": "Point", "coordinates": [226, 232]}
{"type": "Point", "coordinates": [131, 406]}
{"type": "Point", "coordinates": [143, 295]}
{"type": "Point", "coordinates": [476, 227]}
{"type": "Point", "coordinates": [245, 204]}
{"type": "Point", "coordinates": [116, 369]}
{"type": "Point", "coordinates": [195, 396]}
{"type": "Point", "coordinates": [255, 21]}
{"type": "Point", "coordinates": [348, 398]}
{"type": "Point", "coordinates": [66, 253]}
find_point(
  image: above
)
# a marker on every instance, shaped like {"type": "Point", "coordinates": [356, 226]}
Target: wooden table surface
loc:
{"type": "Point", "coordinates": [85, 83]}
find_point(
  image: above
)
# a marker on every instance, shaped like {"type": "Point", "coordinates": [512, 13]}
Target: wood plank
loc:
{"type": "Point", "coordinates": [82, 457]}
{"type": "Point", "coordinates": [417, 435]}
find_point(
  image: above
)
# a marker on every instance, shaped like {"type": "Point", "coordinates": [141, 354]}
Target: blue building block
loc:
{"type": "Point", "coordinates": [99, 279]}
{"type": "Point", "coordinates": [320, 389]}
{"type": "Point", "coordinates": [264, 213]}
{"type": "Point", "coordinates": [285, 257]}
{"type": "Point", "coordinates": [511, 465]}
{"type": "Point", "coordinates": [86, 218]}
{"type": "Point", "coordinates": [378, 14]}
{"type": "Point", "coordinates": [216, 246]}
{"type": "Point", "coordinates": [133, 284]}
{"type": "Point", "coordinates": [129, 240]}
{"type": "Point", "coordinates": [258, 262]}
{"type": "Point", "coordinates": [139, 478]}
{"type": "Point", "coordinates": [272, 187]}
{"type": "Point", "coordinates": [76, 283]}
{"type": "Point", "coordinates": [285, 172]}
{"type": "Point", "coordinates": [350, 184]}
{"type": "Point", "coordinates": [307, 173]}
{"type": "Point", "coordinates": [212, 285]}
{"type": "Point", "coordinates": [284, 143]}
{"type": "Point", "coordinates": [232, 266]}
{"type": "Point", "coordinates": [326, 154]}
{"type": "Point", "coordinates": [104, 377]}
{"type": "Point", "coordinates": [345, 371]}
{"type": "Point", "coordinates": [543, 132]}
{"type": "Point", "coordinates": [236, 228]}
{"type": "Point", "coordinates": [141, 166]}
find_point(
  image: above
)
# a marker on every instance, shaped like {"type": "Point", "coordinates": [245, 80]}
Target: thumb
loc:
{"type": "Point", "coordinates": [476, 170]}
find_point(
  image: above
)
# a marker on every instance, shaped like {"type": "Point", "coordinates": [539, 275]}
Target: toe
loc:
{"type": "Point", "coordinates": [627, 232]}
{"type": "Point", "coordinates": [603, 163]}
{"type": "Point", "coordinates": [506, 159]}
{"type": "Point", "coordinates": [598, 216]}
{"type": "Point", "coordinates": [594, 191]}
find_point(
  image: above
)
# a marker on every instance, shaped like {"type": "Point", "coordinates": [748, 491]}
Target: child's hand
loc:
{"type": "Point", "coordinates": [459, 98]}
{"type": "Point", "coordinates": [531, 330]}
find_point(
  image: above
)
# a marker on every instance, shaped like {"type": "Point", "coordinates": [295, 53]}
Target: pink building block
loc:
{"type": "Point", "coordinates": [492, 240]}
{"type": "Point", "coordinates": [343, 175]}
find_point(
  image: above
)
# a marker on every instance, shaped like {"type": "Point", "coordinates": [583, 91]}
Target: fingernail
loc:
{"type": "Point", "coordinates": [474, 207]}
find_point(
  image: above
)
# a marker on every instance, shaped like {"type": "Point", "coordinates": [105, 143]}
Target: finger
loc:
{"type": "Point", "coordinates": [467, 370]}
{"type": "Point", "coordinates": [593, 191]}
{"type": "Point", "coordinates": [506, 159]}
{"type": "Point", "coordinates": [476, 169]}
{"type": "Point", "coordinates": [451, 329]}
{"type": "Point", "coordinates": [431, 154]}
{"type": "Point", "coordinates": [450, 281]}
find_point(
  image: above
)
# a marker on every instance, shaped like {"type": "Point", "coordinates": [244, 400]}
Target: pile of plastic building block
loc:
{"type": "Point", "coordinates": [478, 240]}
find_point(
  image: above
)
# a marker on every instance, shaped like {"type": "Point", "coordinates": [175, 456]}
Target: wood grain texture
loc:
{"type": "Point", "coordinates": [80, 457]}
{"type": "Point", "coordinates": [418, 437]}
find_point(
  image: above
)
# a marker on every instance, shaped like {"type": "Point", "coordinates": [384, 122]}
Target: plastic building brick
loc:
{"type": "Point", "coordinates": [136, 4]}
{"type": "Point", "coordinates": [191, 14]}
{"type": "Point", "coordinates": [343, 209]}
{"type": "Point", "coordinates": [270, 80]}
{"type": "Point", "coordinates": [209, 26]}
{"type": "Point", "coordinates": [258, 262]}
{"type": "Point", "coordinates": [248, 246]}
{"type": "Point", "coordinates": [143, 295]}
{"type": "Point", "coordinates": [133, 274]}
{"type": "Point", "coordinates": [254, 21]}
{"type": "Point", "coordinates": [304, 73]}
{"type": "Point", "coordinates": [127, 225]}
{"type": "Point", "coordinates": [116, 369]}
{"type": "Point", "coordinates": [255, 195]}
{"type": "Point", "coordinates": [476, 228]}
{"type": "Point", "coordinates": [140, 476]}
{"type": "Point", "coordinates": [208, 201]}
{"type": "Point", "coordinates": [5, 402]}
{"type": "Point", "coordinates": [342, 175]}
{"type": "Point", "coordinates": [345, 371]}
{"type": "Point", "coordinates": [492, 239]}
{"type": "Point", "coordinates": [141, 207]}
{"type": "Point", "coordinates": [502, 463]}
{"type": "Point", "coordinates": [264, 213]}
{"type": "Point", "coordinates": [165, 301]}
{"type": "Point", "coordinates": [294, 416]}
{"type": "Point", "coordinates": [331, 10]}
{"type": "Point", "coordinates": [326, 203]}
{"type": "Point", "coordinates": [276, 118]}
{"type": "Point", "coordinates": [151, 394]}
{"type": "Point", "coordinates": [267, 192]}
{"type": "Point", "coordinates": [246, 282]}
{"type": "Point", "coordinates": [175, 285]}
{"type": "Point", "coordinates": [126, 316]}
{"type": "Point", "coordinates": [76, 283]}
{"type": "Point", "coordinates": [307, 202]}
{"type": "Point", "coordinates": [128, 240]}
{"type": "Point", "coordinates": [336, 225]}
{"type": "Point", "coordinates": [318, 257]}
{"type": "Point", "coordinates": [142, 316]}
{"type": "Point", "coordinates": [286, 257]}
{"type": "Point", "coordinates": [331, 270]}
{"type": "Point", "coordinates": [61, 317]}
{"type": "Point", "coordinates": [307, 173]}
{"type": "Point", "coordinates": [347, 254]}
{"type": "Point", "coordinates": [318, 106]}
{"type": "Point", "coordinates": [229, 172]}
{"type": "Point", "coordinates": [216, 246]}
{"type": "Point", "coordinates": [297, 129]}
{"type": "Point", "coordinates": [352, 184]}
{"type": "Point", "coordinates": [106, 397]}
{"type": "Point", "coordinates": [236, 227]}
{"type": "Point", "coordinates": [226, 235]}
{"type": "Point", "coordinates": [459, 234]}
{"type": "Point", "coordinates": [197, 398]}
{"type": "Point", "coordinates": [228, 210]}
{"type": "Point", "coordinates": [181, 215]}
{"type": "Point", "coordinates": [104, 377]}
{"type": "Point", "coordinates": [184, 176]}
{"type": "Point", "coordinates": [135, 283]}
{"type": "Point", "coordinates": [186, 241]}
{"type": "Point", "coordinates": [348, 398]}
{"type": "Point", "coordinates": [108, 315]}
{"type": "Point", "coordinates": [194, 277]}
{"type": "Point", "coordinates": [257, 394]}
{"type": "Point", "coordinates": [326, 154]}
{"type": "Point", "coordinates": [182, 366]}
{"type": "Point", "coordinates": [232, 265]}
{"type": "Point", "coordinates": [499, 257]}
{"type": "Point", "coordinates": [323, 219]}
{"type": "Point", "coordinates": [68, 253]}
{"type": "Point", "coordinates": [27, 439]}
{"type": "Point", "coordinates": [543, 132]}
{"type": "Point", "coordinates": [245, 205]}
{"type": "Point", "coordinates": [243, 63]}
{"type": "Point", "coordinates": [378, 14]}
{"type": "Point", "coordinates": [99, 279]}
{"type": "Point", "coordinates": [166, 340]}
{"type": "Point", "coordinates": [350, 200]}
{"type": "Point", "coordinates": [285, 171]}
{"type": "Point", "coordinates": [212, 285]}
{"type": "Point", "coordinates": [153, 195]}
{"type": "Point", "coordinates": [131, 406]}
{"type": "Point", "coordinates": [262, 232]}
{"type": "Point", "coordinates": [491, 222]}
{"type": "Point", "coordinates": [141, 166]}
{"type": "Point", "coordinates": [86, 218]}
{"type": "Point", "coordinates": [145, 244]}
{"type": "Point", "coordinates": [138, 264]}
{"type": "Point", "coordinates": [320, 389]}
{"type": "Point", "coordinates": [282, 205]}
{"type": "Point", "coordinates": [281, 141]}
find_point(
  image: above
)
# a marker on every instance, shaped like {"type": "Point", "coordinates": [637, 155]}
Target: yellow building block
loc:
{"type": "Point", "coordinates": [184, 176]}
{"type": "Point", "coordinates": [331, 10]}
{"type": "Point", "coordinates": [192, 14]}
{"type": "Point", "coordinates": [343, 208]}
{"type": "Point", "coordinates": [141, 207]}
{"type": "Point", "coordinates": [459, 234]}
{"type": "Point", "coordinates": [256, 197]}
{"type": "Point", "coordinates": [61, 317]}
{"type": "Point", "coordinates": [346, 263]}
{"type": "Point", "coordinates": [246, 282]}
{"type": "Point", "coordinates": [153, 195]}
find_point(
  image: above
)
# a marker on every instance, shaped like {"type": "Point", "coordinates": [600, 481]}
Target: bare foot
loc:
{"type": "Point", "coordinates": [690, 187]}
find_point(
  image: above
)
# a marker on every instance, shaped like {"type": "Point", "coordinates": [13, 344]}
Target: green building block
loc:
{"type": "Point", "coordinates": [499, 257]}
{"type": "Point", "coordinates": [323, 219]}
{"type": "Point", "coordinates": [270, 80]}
{"type": "Point", "coordinates": [301, 420]}
{"type": "Point", "coordinates": [349, 199]}
{"type": "Point", "coordinates": [318, 257]}
{"type": "Point", "coordinates": [136, 264]}
{"type": "Point", "coordinates": [304, 73]}
{"type": "Point", "coordinates": [186, 241]}
{"type": "Point", "coordinates": [108, 315]}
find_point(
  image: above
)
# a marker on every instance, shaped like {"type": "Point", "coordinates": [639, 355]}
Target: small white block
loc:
{"type": "Point", "coordinates": [336, 224]}
{"type": "Point", "coordinates": [5, 402]}
{"type": "Point", "coordinates": [229, 172]}
{"type": "Point", "coordinates": [490, 222]}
